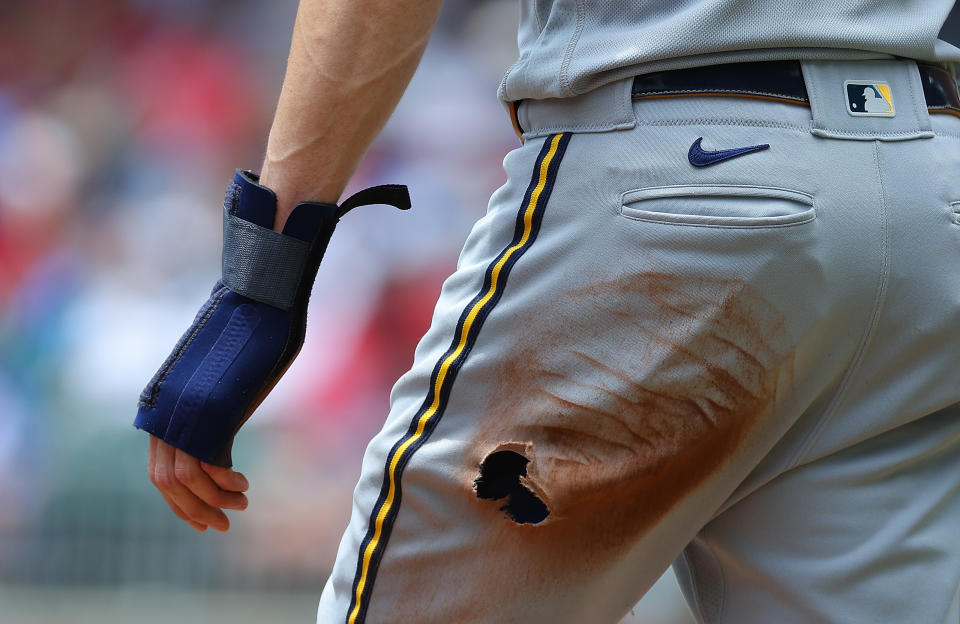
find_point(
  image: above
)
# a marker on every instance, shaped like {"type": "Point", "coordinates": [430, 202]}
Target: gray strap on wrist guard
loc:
{"type": "Point", "coordinates": [262, 264]}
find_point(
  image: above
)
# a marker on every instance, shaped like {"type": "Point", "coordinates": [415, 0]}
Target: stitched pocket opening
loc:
{"type": "Point", "coordinates": [732, 206]}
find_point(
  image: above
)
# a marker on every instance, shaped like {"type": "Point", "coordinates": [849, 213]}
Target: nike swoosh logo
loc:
{"type": "Point", "coordinates": [700, 157]}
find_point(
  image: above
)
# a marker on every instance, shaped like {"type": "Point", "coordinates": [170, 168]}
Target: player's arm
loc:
{"type": "Point", "coordinates": [350, 61]}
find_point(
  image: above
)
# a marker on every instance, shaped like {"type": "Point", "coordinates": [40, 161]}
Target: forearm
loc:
{"type": "Point", "coordinates": [350, 61]}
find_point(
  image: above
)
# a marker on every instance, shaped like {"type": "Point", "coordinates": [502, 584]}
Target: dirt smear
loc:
{"type": "Point", "coordinates": [626, 395]}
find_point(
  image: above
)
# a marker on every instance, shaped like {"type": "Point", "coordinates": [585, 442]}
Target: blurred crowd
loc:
{"type": "Point", "coordinates": [121, 121]}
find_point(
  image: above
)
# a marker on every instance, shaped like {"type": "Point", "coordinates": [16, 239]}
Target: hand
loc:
{"type": "Point", "coordinates": [242, 340]}
{"type": "Point", "coordinates": [196, 491]}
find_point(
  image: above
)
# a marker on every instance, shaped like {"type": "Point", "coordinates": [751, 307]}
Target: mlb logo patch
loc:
{"type": "Point", "coordinates": [868, 99]}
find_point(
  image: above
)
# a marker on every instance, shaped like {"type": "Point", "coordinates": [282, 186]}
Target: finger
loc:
{"type": "Point", "coordinates": [198, 510]}
{"type": "Point", "coordinates": [152, 456]}
{"type": "Point", "coordinates": [226, 478]}
{"type": "Point", "coordinates": [188, 472]}
{"type": "Point", "coordinates": [152, 470]}
{"type": "Point", "coordinates": [161, 474]}
{"type": "Point", "coordinates": [183, 516]}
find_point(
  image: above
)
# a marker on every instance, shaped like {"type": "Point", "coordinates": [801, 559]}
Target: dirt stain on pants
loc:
{"type": "Point", "coordinates": [623, 398]}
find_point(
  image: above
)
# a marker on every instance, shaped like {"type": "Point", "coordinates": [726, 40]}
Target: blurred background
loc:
{"type": "Point", "coordinates": [121, 121]}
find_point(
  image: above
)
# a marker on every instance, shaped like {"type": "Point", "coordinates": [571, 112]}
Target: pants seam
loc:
{"type": "Point", "coordinates": [868, 335]}
{"type": "Point", "coordinates": [692, 582]}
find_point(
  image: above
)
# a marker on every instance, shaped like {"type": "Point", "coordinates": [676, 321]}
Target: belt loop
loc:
{"type": "Point", "coordinates": [604, 109]}
{"type": "Point", "coordinates": [515, 118]}
{"type": "Point", "coordinates": [867, 100]}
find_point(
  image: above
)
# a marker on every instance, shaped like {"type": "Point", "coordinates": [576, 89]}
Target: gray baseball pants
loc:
{"type": "Point", "coordinates": [750, 368]}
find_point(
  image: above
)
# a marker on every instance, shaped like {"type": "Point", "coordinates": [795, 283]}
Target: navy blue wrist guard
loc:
{"type": "Point", "coordinates": [252, 326]}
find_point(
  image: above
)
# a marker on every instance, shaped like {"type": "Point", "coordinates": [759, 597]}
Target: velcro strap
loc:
{"type": "Point", "coordinates": [260, 263]}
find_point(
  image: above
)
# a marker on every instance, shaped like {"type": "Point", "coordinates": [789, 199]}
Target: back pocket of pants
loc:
{"type": "Point", "coordinates": [719, 205]}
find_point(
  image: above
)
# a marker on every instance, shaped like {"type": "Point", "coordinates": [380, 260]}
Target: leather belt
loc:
{"type": "Point", "coordinates": [780, 81]}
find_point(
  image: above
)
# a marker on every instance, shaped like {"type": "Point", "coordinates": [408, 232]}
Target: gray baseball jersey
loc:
{"type": "Point", "coordinates": [568, 47]}
{"type": "Point", "coordinates": [715, 327]}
